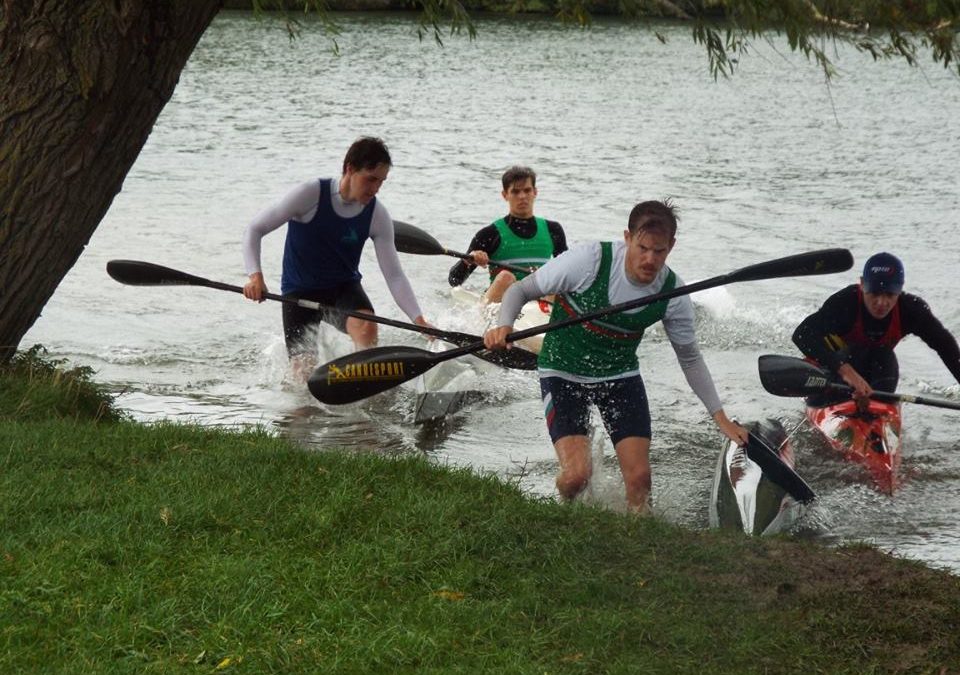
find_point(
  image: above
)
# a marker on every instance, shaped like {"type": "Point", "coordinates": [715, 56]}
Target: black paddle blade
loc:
{"type": "Point", "coordinates": [778, 471]}
{"type": "Point", "coordinates": [139, 273]}
{"type": "Point", "coordinates": [410, 239]}
{"type": "Point", "coordinates": [825, 261]}
{"type": "Point", "coordinates": [516, 358]}
{"type": "Point", "coordinates": [362, 374]}
{"type": "Point", "coordinates": [790, 376]}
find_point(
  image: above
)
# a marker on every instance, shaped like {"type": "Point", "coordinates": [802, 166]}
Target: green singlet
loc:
{"type": "Point", "coordinates": [602, 348]}
{"type": "Point", "coordinates": [532, 252]}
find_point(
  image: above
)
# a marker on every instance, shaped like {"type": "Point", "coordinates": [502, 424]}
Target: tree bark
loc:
{"type": "Point", "coordinates": [81, 85]}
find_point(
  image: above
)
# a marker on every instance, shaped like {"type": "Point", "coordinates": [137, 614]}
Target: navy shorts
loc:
{"type": "Point", "coordinates": [623, 407]}
{"type": "Point", "coordinates": [296, 320]}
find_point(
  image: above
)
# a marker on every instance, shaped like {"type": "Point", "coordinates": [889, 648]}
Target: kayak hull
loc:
{"type": "Point", "coordinates": [747, 498]}
{"type": "Point", "coordinates": [531, 315]}
{"type": "Point", "coordinates": [449, 386]}
{"type": "Point", "coordinates": [870, 438]}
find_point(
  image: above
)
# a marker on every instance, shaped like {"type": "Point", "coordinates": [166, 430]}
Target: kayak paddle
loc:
{"type": "Point", "coordinates": [778, 471]}
{"type": "Point", "coordinates": [411, 239]}
{"type": "Point", "coordinates": [792, 376]}
{"type": "Point", "coordinates": [362, 374]}
{"type": "Point", "coordinates": [138, 273]}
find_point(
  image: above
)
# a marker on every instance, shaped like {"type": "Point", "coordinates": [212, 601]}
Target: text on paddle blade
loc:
{"type": "Point", "coordinates": [366, 372]}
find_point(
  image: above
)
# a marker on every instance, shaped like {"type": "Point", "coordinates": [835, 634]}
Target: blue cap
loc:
{"type": "Point", "coordinates": [883, 273]}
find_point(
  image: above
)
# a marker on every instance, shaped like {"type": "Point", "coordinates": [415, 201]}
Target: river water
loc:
{"type": "Point", "coordinates": [772, 162]}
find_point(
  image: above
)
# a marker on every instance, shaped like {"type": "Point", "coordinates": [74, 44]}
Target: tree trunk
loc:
{"type": "Point", "coordinates": [81, 84]}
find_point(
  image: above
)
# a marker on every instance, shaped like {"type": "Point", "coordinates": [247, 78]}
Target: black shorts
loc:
{"type": "Point", "coordinates": [622, 404]}
{"type": "Point", "coordinates": [296, 320]}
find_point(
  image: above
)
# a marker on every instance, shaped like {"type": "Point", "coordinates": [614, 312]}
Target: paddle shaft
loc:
{"type": "Point", "coordinates": [621, 307]}
{"type": "Point", "coordinates": [411, 239]}
{"type": "Point", "coordinates": [792, 376]}
{"type": "Point", "coordinates": [369, 372]}
{"type": "Point", "coordinates": [893, 397]}
{"type": "Point", "coordinates": [767, 270]}
{"type": "Point", "coordinates": [923, 400]}
{"type": "Point", "coordinates": [316, 306]}
{"type": "Point", "coordinates": [138, 273]}
{"type": "Point", "coordinates": [580, 318]}
{"type": "Point", "coordinates": [504, 265]}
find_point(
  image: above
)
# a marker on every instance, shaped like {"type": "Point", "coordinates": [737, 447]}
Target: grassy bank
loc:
{"type": "Point", "coordinates": [126, 548]}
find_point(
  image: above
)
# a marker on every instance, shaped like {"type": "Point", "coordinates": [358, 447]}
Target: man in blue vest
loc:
{"type": "Point", "coordinates": [519, 238]}
{"type": "Point", "coordinates": [328, 222]}
{"type": "Point", "coordinates": [596, 361]}
{"type": "Point", "coordinates": [856, 330]}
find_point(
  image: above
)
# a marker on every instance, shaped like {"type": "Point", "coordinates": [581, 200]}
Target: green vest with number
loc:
{"type": "Point", "coordinates": [605, 347]}
{"type": "Point", "coordinates": [514, 250]}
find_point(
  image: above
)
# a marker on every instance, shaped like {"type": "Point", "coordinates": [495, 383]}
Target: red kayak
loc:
{"type": "Point", "coordinates": [871, 438]}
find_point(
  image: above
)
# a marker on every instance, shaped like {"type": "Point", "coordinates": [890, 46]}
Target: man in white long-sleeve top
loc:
{"type": "Point", "coordinates": [596, 361]}
{"type": "Point", "coordinates": [328, 222]}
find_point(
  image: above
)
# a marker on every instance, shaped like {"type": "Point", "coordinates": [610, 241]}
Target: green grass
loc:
{"type": "Point", "coordinates": [126, 548]}
{"type": "Point", "coordinates": [35, 387]}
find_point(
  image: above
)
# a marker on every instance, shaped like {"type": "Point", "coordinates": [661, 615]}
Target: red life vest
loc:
{"type": "Point", "coordinates": [857, 336]}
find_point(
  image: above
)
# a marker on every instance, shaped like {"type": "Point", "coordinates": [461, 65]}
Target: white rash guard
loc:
{"type": "Point", "coordinates": [576, 269]}
{"type": "Point", "coordinates": [301, 204]}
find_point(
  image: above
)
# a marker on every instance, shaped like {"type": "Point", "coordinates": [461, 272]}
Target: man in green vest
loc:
{"type": "Point", "coordinates": [596, 361]}
{"type": "Point", "coordinates": [519, 238]}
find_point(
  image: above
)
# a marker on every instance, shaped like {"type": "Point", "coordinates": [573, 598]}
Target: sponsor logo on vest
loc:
{"type": "Point", "coordinates": [351, 237]}
{"type": "Point", "coordinates": [816, 381]}
{"type": "Point", "coordinates": [365, 372]}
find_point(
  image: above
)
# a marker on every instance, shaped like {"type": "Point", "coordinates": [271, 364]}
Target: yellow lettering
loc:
{"type": "Point", "coordinates": [378, 370]}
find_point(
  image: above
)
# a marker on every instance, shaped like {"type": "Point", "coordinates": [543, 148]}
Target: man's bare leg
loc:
{"type": "Point", "coordinates": [363, 333]}
{"type": "Point", "coordinates": [499, 286]}
{"type": "Point", "coordinates": [576, 465]}
{"type": "Point", "coordinates": [302, 366]}
{"type": "Point", "coordinates": [634, 455]}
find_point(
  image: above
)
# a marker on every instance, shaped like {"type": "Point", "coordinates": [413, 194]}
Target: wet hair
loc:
{"type": "Point", "coordinates": [517, 174]}
{"type": "Point", "coordinates": [367, 152]}
{"type": "Point", "coordinates": [654, 216]}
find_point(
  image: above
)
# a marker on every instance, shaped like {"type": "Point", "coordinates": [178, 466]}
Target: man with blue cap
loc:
{"type": "Point", "coordinates": [856, 330]}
